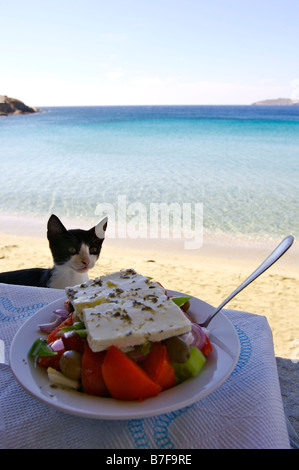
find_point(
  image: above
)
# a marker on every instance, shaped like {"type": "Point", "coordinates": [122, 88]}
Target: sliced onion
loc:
{"type": "Point", "coordinates": [61, 313]}
{"type": "Point", "coordinates": [199, 337]}
{"type": "Point", "coordinates": [49, 327]}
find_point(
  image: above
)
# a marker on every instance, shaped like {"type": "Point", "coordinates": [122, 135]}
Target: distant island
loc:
{"type": "Point", "coordinates": [14, 106]}
{"type": "Point", "coordinates": [277, 102]}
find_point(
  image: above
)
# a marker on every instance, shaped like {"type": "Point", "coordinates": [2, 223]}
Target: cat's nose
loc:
{"type": "Point", "coordinates": [86, 261]}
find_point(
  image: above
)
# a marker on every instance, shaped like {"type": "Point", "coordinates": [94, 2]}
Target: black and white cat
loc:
{"type": "Point", "coordinates": [74, 253]}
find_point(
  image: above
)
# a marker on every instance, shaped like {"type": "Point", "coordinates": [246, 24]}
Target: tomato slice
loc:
{"type": "Point", "coordinates": [124, 379]}
{"type": "Point", "coordinates": [158, 366]}
{"type": "Point", "coordinates": [91, 373]}
{"type": "Point", "coordinates": [72, 341]}
{"type": "Point", "coordinates": [207, 347]}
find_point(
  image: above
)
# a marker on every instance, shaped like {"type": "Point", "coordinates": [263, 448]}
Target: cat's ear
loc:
{"type": "Point", "coordinates": [101, 227]}
{"type": "Point", "coordinates": [55, 227]}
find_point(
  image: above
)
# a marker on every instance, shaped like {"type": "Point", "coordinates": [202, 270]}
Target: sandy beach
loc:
{"type": "Point", "coordinates": [209, 273]}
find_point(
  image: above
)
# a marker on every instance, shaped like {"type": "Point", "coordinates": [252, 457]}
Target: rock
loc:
{"type": "Point", "coordinates": [14, 106]}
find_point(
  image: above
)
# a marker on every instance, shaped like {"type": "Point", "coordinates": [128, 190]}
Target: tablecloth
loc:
{"type": "Point", "coordinates": [245, 412]}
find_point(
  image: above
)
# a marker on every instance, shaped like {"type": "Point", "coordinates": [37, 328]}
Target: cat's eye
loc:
{"type": "Point", "coordinates": [72, 250]}
{"type": "Point", "coordinates": [93, 250]}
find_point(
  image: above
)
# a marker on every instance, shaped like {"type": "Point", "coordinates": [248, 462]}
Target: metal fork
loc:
{"type": "Point", "coordinates": [272, 258]}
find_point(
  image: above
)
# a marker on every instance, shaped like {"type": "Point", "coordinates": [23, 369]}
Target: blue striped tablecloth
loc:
{"type": "Point", "coordinates": [245, 412]}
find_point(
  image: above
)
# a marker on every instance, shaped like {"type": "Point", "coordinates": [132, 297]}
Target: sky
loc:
{"type": "Point", "coordinates": [148, 52]}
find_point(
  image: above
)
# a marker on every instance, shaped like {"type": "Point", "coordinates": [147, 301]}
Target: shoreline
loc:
{"type": "Point", "coordinates": [236, 249]}
{"type": "Point", "coordinates": [36, 227]}
{"type": "Point", "coordinates": [210, 273]}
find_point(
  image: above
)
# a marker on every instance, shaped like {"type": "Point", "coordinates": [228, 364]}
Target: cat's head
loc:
{"type": "Point", "coordinates": [77, 249]}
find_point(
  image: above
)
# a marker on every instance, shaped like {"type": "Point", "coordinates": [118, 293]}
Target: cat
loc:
{"type": "Point", "coordinates": [74, 253]}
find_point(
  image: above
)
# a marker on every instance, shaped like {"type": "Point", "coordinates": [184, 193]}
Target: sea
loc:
{"type": "Point", "coordinates": [237, 166]}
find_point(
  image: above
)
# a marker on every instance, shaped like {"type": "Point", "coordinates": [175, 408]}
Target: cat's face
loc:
{"type": "Point", "coordinates": [77, 249]}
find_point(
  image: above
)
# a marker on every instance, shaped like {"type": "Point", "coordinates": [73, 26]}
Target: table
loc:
{"type": "Point", "coordinates": [245, 412]}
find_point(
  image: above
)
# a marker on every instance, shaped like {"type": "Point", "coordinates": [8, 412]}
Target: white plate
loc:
{"type": "Point", "coordinates": [218, 367]}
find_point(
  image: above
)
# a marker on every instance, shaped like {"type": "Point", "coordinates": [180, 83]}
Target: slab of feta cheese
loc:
{"type": "Point", "coordinates": [126, 309]}
{"type": "Point", "coordinates": [85, 295]}
{"type": "Point", "coordinates": [133, 321]}
{"type": "Point", "coordinates": [107, 288]}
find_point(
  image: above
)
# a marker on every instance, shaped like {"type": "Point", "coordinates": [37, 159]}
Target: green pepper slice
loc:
{"type": "Point", "coordinates": [41, 348]}
{"type": "Point", "coordinates": [79, 325]}
{"type": "Point", "coordinates": [180, 301]}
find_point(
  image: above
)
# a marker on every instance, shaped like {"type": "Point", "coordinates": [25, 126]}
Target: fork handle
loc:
{"type": "Point", "coordinates": [272, 258]}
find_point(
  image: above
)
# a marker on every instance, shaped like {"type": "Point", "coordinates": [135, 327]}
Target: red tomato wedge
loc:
{"type": "Point", "coordinates": [207, 347]}
{"type": "Point", "coordinates": [158, 366]}
{"type": "Point", "coordinates": [73, 341]}
{"type": "Point", "coordinates": [91, 373]}
{"type": "Point", "coordinates": [124, 379]}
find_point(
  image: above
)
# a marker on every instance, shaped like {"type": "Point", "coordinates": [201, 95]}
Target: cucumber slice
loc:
{"type": "Point", "coordinates": [191, 367]}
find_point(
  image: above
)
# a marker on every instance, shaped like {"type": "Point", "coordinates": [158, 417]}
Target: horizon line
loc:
{"type": "Point", "coordinates": [152, 105]}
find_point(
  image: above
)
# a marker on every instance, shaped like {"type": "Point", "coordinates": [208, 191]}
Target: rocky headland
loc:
{"type": "Point", "coordinates": [277, 102]}
{"type": "Point", "coordinates": [14, 106]}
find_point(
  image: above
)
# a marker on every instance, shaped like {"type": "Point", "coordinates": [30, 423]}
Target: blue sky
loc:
{"type": "Point", "coordinates": [122, 52]}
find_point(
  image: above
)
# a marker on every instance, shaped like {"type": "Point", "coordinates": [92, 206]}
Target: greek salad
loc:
{"type": "Point", "coordinates": [134, 373]}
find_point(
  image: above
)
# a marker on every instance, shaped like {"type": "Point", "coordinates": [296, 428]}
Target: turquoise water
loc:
{"type": "Point", "coordinates": [240, 162]}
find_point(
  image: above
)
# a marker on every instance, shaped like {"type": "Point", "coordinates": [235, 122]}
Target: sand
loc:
{"type": "Point", "coordinates": [209, 273]}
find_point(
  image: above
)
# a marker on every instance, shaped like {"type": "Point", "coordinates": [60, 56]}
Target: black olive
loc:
{"type": "Point", "coordinates": [178, 350]}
